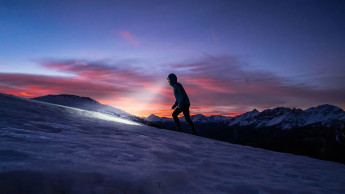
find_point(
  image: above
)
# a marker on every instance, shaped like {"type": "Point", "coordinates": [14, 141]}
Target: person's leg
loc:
{"type": "Point", "coordinates": [188, 119]}
{"type": "Point", "coordinates": [176, 112]}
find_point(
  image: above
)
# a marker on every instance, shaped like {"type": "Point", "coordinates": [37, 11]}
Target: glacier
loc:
{"type": "Point", "coordinates": [48, 148]}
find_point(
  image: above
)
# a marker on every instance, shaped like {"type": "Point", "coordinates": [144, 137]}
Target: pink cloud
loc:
{"type": "Point", "coordinates": [128, 36]}
{"type": "Point", "coordinates": [117, 73]}
{"type": "Point", "coordinates": [212, 84]}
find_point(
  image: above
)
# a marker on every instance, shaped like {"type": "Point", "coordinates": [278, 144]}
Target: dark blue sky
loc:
{"type": "Point", "coordinates": [297, 44]}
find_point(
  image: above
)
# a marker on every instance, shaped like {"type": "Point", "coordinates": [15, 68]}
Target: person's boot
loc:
{"type": "Point", "coordinates": [179, 129]}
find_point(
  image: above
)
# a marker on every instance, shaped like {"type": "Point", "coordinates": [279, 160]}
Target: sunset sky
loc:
{"type": "Point", "coordinates": [230, 56]}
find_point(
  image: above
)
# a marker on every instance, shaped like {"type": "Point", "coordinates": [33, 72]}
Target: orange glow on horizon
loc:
{"type": "Point", "coordinates": [168, 114]}
{"type": "Point", "coordinates": [105, 102]}
{"type": "Point", "coordinates": [26, 94]}
{"type": "Point", "coordinates": [127, 104]}
{"type": "Point", "coordinates": [161, 110]}
{"type": "Point", "coordinates": [13, 92]}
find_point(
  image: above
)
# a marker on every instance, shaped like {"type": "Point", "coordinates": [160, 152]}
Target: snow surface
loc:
{"type": "Point", "coordinates": [47, 148]}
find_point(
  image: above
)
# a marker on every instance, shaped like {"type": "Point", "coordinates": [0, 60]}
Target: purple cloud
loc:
{"type": "Point", "coordinates": [128, 36]}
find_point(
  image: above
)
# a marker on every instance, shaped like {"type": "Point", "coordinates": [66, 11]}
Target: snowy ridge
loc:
{"type": "Point", "coordinates": [245, 119]}
{"type": "Point", "coordinates": [280, 117]}
{"type": "Point", "coordinates": [154, 118]}
{"type": "Point", "coordinates": [87, 103]}
{"type": "Point", "coordinates": [287, 118]}
{"type": "Point", "coordinates": [46, 148]}
{"type": "Point", "coordinates": [324, 113]}
{"type": "Point", "coordinates": [284, 118]}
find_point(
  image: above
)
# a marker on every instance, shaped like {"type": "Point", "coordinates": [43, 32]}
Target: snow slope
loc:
{"type": "Point", "coordinates": [89, 104]}
{"type": "Point", "coordinates": [47, 148]}
{"type": "Point", "coordinates": [84, 103]}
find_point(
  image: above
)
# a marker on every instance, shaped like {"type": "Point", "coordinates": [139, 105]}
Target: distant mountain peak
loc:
{"type": "Point", "coordinates": [255, 110]}
{"type": "Point", "coordinates": [326, 108]}
{"type": "Point", "coordinates": [155, 118]}
{"type": "Point", "coordinates": [199, 116]}
{"type": "Point", "coordinates": [250, 114]}
{"type": "Point", "coordinates": [152, 116]}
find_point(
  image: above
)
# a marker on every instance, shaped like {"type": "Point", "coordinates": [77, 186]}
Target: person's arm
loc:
{"type": "Point", "coordinates": [179, 97]}
{"type": "Point", "coordinates": [174, 106]}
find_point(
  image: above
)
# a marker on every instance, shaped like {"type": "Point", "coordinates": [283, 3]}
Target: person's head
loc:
{"type": "Point", "coordinates": [172, 78]}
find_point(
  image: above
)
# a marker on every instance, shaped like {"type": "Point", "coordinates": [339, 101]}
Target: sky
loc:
{"type": "Point", "coordinates": [230, 56]}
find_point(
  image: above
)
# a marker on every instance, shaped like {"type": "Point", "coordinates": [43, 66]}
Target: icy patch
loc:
{"type": "Point", "coordinates": [98, 115]}
{"type": "Point", "coordinates": [108, 117]}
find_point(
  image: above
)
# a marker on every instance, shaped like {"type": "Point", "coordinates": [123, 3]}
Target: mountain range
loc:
{"type": "Point", "coordinates": [280, 117]}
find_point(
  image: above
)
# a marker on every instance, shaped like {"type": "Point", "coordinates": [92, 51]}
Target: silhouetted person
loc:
{"type": "Point", "coordinates": [182, 103]}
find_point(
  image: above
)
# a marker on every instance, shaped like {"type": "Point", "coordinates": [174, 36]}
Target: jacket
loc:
{"type": "Point", "coordinates": [180, 95]}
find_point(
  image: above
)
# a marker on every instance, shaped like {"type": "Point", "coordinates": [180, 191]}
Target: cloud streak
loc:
{"type": "Point", "coordinates": [128, 36]}
{"type": "Point", "coordinates": [122, 74]}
